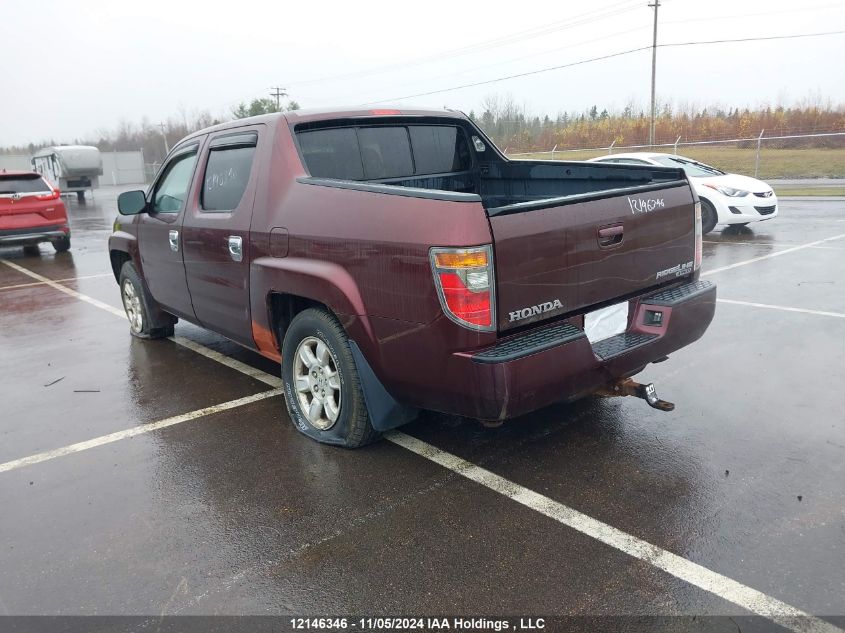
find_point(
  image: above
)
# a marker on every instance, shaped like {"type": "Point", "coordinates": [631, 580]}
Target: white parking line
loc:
{"type": "Point", "coordinates": [770, 255]}
{"type": "Point", "coordinates": [739, 243]}
{"type": "Point", "coordinates": [41, 283]}
{"type": "Point", "coordinates": [249, 370]}
{"type": "Point", "coordinates": [135, 430]}
{"type": "Point", "coordinates": [264, 377]}
{"type": "Point", "coordinates": [64, 289]}
{"type": "Point", "coordinates": [839, 315]}
{"type": "Point", "coordinates": [693, 573]}
{"type": "Point", "coordinates": [828, 248]}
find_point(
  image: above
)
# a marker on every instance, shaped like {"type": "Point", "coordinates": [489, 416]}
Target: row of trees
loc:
{"type": "Point", "coordinates": [511, 125]}
{"type": "Point", "coordinates": [153, 138]}
{"type": "Point", "coordinates": [514, 128]}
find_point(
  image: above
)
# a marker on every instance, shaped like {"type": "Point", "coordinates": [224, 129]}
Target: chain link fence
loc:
{"type": "Point", "coordinates": [779, 156]}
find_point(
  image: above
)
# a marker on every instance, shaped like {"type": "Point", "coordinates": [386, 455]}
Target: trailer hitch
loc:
{"type": "Point", "coordinates": [629, 387]}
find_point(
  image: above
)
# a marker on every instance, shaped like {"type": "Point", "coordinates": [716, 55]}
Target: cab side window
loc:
{"type": "Point", "coordinates": [172, 189]}
{"type": "Point", "coordinates": [227, 171]}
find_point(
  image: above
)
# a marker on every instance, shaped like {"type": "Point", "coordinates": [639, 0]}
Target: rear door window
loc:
{"type": "Point", "coordinates": [385, 152]}
{"type": "Point", "coordinates": [439, 149]}
{"type": "Point", "coordinates": [332, 153]}
{"type": "Point", "coordinates": [23, 185]}
{"type": "Point", "coordinates": [227, 171]}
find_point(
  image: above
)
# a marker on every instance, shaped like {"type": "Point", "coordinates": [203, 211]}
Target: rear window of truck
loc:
{"type": "Point", "coordinates": [384, 152]}
{"type": "Point", "coordinates": [22, 184]}
{"type": "Point", "coordinates": [332, 153]}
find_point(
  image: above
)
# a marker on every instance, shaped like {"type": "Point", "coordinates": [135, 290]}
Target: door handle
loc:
{"type": "Point", "coordinates": [173, 238]}
{"type": "Point", "coordinates": [236, 247]}
{"type": "Point", "coordinates": [611, 235]}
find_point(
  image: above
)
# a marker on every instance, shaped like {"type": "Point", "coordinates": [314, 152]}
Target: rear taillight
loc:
{"type": "Point", "coordinates": [465, 284]}
{"type": "Point", "coordinates": [698, 236]}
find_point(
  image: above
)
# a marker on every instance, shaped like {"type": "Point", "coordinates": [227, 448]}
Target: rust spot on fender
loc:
{"type": "Point", "coordinates": [265, 342]}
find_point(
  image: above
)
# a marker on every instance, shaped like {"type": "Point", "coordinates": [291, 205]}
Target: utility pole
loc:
{"type": "Point", "coordinates": [278, 92]}
{"type": "Point", "coordinates": [653, 72]}
{"type": "Point", "coordinates": [166, 146]}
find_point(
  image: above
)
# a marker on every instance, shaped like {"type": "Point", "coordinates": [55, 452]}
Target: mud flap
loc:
{"type": "Point", "coordinates": [385, 413]}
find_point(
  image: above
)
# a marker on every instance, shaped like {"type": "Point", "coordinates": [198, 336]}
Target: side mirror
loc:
{"type": "Point", "coordinates": [131, 202]}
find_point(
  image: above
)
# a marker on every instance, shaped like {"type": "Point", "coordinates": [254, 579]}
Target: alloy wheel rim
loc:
{"type": "Point", "coordinates": [317, 381]}
{"type": "Point", "coordinates": [132, 305]}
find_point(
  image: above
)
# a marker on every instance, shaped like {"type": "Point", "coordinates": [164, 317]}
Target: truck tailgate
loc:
{"type": "Point", "coordinates": [567, 255]}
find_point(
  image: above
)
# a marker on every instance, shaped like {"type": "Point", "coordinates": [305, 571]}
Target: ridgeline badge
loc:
{"type": "Point", "coordinates": [677, 271]}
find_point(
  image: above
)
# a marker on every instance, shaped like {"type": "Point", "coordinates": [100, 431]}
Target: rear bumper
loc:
{"type": "Point", "coordinates": [34, 235]}
{"type": "Point", "coordinates": [557, 363]}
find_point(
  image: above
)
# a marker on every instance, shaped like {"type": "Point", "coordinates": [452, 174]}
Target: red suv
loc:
{"type": "Point", "coordinates": [31, 212]}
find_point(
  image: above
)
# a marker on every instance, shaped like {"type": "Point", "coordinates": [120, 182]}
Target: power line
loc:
{"type": "Point", "coordinates": [525, 74]}
{"type": "Point", "coordinates": [602, 57]}
{"type": "Point", "coordinates": [560, 25]}
{"type": "Point", "coordinates": [548, 51]}
{"type": "Point", "coordinates": [756, 39]}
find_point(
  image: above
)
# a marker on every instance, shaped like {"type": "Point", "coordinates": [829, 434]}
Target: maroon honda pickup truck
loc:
{"type": "Point", "coordinates": [396, 260]}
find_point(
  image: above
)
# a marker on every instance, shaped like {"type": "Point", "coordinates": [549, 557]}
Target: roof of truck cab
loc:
{"type": "Point", "coordinates": [325, 114]}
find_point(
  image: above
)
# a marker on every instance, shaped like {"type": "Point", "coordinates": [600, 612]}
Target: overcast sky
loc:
{"type": "Point", "coordinates": [72, 68]}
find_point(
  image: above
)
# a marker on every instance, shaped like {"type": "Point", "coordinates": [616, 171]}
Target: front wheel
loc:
{"type": "Point", "coordinates": [709, 217]}
{"type": "Point", "coordinates": [322, 387]}
{"type": "Point", "coordinates": [143, 321]}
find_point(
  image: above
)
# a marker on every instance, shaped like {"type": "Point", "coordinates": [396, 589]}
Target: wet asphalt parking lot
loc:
{"type": "Point", "coordinates": [164, 477]}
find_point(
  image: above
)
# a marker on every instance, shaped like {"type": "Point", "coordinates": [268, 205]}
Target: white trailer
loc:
{"type": "Point", "coordinates": [70, 167]}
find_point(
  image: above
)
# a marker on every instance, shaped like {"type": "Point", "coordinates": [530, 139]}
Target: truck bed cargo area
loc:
{"type": "Point", "coordinates": [434, 155]}
{"type": "Point", "coordinates": [502, 186]}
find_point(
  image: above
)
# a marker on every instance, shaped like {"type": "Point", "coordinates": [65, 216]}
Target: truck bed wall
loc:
{"type": "Point", "coordinates": [502, 183]}
{"type": "Point", "coordinates": [513, 182]}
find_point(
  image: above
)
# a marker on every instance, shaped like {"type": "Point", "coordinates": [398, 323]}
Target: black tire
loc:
{"type": "Point", "coordinates": [80, 197]}
{"type": "Point", "coordinates": [62, 245]}
{"type": "Point", "coordinates": [709, 217]}
{"type": "Point", "coordinates": [151, 321]}
{"type": "Point", "coordinates": [31, 250]}
{"type": "Point", "coordinates": [352, 427]}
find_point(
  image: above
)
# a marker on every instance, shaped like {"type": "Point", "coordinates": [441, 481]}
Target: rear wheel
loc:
{"type": "Point", "coordinates": [62, 245]}
{"type": "Point", "coordinates": [80, 197]}
{"type": "Point", "coordinates": [144, 320]}
{"type": "Point", "coordinates": [709, 217]}
{"type": "Point", "coordinates": [32, 250]}
{"type": "Point", "coordinates": [322, 387]}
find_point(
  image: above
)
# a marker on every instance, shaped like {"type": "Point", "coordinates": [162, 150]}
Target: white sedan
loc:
{"type": "Point", "coordinates": [725, 198]}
